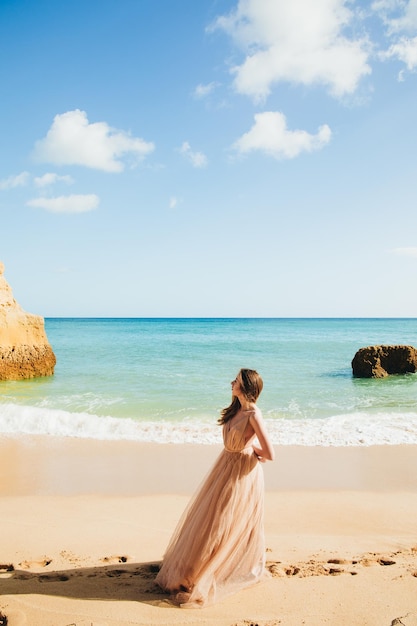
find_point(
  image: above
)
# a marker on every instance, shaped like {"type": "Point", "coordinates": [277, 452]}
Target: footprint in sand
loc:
{"type": "Point", "coordinates": [147, 571]}
{"type": "Point", "coordinates": [53, 578]}
{"type": "Point", "coordinates": [312, 568]}
{"type": "Point", "coordinates": [336, 570]}
{"type": "Point", "coordinates": [29, 564]}
{"type": "Point", "coordinates": [115, 573]}
{"type": "Point", "coordinates": [335, 565]}
{"type": "Point", "coordinates": [115, 559]}
{"type": "Point", "coordinates": [404, 560]}
{"type": "Point", "coordinates": [374, 559]}
{"type": "Point", "coordinates": [6, 571]}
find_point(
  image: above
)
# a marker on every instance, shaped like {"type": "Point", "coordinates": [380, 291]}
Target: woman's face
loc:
{"type": "Point", "coordinates": [236, 386]}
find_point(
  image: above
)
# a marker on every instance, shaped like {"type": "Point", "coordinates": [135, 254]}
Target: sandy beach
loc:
{"type": "Point", "coordinates": [85, 523]}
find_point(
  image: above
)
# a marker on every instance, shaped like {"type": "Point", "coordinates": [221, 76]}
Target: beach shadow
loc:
{"type": "Point", "coordinates": [124, 581]}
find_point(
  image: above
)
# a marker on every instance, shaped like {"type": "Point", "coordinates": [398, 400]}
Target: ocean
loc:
{"type": "Point", "coordinates": [166, 380]}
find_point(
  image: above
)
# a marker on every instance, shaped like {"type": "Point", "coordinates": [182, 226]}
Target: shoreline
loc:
{"type": "Point", "coordinates": [39, 465]}
{"type": "Point", "coordinates": [84, 525]}
{"type": "Point", "coordinates": [345, 430]}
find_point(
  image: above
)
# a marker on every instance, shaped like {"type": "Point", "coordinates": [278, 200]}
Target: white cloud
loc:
{"type": "Point", "coordinates": [385, 8]}
{"type": "Point", "coordinates": [197, 159]}
{"type": "Point", "coordinates": [201, 91]}
{"type": "Point", "coordinates": [20, 180]}
{"type": "Point", "coordinates": [67, 204]}
{"type": "Point", "coordinates": [409, 252]}
{"type": "Point", "coordinates": [398, 15]}
{"type": "Point", "coordinates": [405, 50]}
{"type": "Point", "coordinates": [385, 5]}
{"type": "Point", "coordinates": [50, 178]}
{"type": "Point", "coordinates": [72, 140]}
{"type": "Point", "coordinates": [410, 16]}
{"type": "Point", "coordinates": [400, 19]}
{"type": "Point", "coordinates": [297, 41]}
{"type": "Point", "coordinates": [173, 202]}
{"type": "Point", "coordinates": [269, 134]}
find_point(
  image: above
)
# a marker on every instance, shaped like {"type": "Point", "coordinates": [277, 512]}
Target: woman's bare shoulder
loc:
{"type": "Point", "coordinates": [256, 412]}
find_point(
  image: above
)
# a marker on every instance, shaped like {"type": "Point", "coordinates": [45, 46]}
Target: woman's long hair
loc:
{"type": "Point", "coordinates": [251, 384]}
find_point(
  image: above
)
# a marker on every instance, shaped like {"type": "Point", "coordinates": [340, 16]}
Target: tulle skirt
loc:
{"type": "Point", "coordinates": [218, 546]}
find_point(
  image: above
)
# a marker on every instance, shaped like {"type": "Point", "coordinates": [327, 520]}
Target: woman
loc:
{"type": "Point", "coordinates": [218, 546]}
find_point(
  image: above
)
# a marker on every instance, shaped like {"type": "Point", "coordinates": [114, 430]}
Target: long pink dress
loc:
{"type": "Point", "coordinates": [218, 546]}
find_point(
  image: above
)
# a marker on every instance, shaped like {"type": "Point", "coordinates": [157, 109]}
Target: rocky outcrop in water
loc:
{"type": "Point", "coordinates": [24, 348]}
{"type": "Point", "coordinates": [381, 361]}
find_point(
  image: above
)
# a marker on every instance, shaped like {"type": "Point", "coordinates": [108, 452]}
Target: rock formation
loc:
{"type": "Point", "coordinates": [380, 361]}
{"type": "Point", "coordinates": [24, 348]}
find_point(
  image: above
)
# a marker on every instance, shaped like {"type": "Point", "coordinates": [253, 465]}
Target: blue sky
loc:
{"type": "Point", "coordinates": [209, 158]}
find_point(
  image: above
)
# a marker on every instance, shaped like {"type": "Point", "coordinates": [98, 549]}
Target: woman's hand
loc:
{"type": "Point", "coordinates": [258, 453]}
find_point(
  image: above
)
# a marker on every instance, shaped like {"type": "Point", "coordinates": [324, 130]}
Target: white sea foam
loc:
{"type": "Point", "coordinates": [363, 429]}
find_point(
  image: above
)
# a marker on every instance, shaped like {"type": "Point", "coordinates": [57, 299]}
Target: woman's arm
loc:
{"type": "Point", "coordinates": [266, 450]}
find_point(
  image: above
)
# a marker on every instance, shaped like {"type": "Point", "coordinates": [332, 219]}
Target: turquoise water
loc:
{"type": "Point", "coordinates": [167, 379]}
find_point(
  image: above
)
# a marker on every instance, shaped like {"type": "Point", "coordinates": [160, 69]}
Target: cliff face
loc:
{"type": "Point", "coordinates": [24, 348]}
